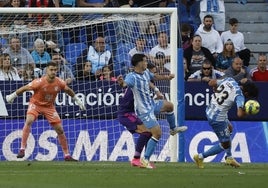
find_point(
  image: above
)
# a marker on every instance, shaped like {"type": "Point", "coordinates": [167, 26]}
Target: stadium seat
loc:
{"type": "Point", "coordinates": [110, 32]}
{"type": "Point", "coordinates": [74, 50]}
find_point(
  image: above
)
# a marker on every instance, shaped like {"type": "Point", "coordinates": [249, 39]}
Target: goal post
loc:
{"type": "Point", "coordinates": [95, 134]}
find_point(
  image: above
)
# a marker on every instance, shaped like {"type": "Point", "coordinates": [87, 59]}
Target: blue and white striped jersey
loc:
{"type": "Point", "coordinates": [227, 93]}
{"type": "Point", "coordinates": [140, 85]}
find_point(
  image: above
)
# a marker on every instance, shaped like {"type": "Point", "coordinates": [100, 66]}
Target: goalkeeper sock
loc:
{"type": "Point", "coordinates": [171, 119]}
{"type": "Point", "coordinates": [63, 142]}
{"type": "Point", "coordinates": [25, 134]}
{"type": "Point", "coordinates": [141, 142]}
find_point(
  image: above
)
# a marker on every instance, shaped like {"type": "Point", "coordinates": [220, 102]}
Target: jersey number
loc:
{"type": "Point", "coordinates": [221, 94]}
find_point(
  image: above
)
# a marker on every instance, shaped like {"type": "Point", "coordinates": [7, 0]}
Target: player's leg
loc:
{"type": "Point", "coordinates": [32, 114]}
{"type": "Point", "coordinates": [222, 132]}
{"type": "Point", "coordinates": [134, 125]}
{"type": "Point", "coordinates": [151, 123]}
{"type": "Point", "coordinates": [54, 120]}
{"type": "Point", "coordinates": [168, 108]}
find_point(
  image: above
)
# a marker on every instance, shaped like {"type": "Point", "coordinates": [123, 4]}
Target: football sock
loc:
{"type": "Point", "coordinates": [25, 134]}
{"type": "Point", "coordinates": [213, 150]}
{"type": "Point", "coordinates": [63, 142]}
{"type": "Point", "coordinates": [228, 152]}
{"type": "Point", "coordinates": [171, 119]}
{"type": "Point", "coordinates": [141, 142]}
{"type": "Point", "coordinates": [150, 148]}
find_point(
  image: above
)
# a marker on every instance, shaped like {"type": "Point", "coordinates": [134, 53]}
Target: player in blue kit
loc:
{"type": "Point", "coordinates": [227, 92]}
{"type": "Point", "coordinates": [145, 107]}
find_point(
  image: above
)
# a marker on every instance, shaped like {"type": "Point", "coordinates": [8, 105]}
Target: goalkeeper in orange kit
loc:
{"type": "Point", "coordinates": [45, 90]}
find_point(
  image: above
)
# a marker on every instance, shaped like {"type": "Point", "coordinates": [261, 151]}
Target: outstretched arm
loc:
{"type": "Point", "coordinates": [10, 98]}
{"type": "Point", "coordinates": [163, 77]}
{"type": "Point", "coordinates": [71, 93]}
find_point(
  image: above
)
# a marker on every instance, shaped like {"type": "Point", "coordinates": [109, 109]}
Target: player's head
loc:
{"type": "Point", "coordinates": [136, 58]}
{"type": "Point", "coordinates": [250, 90]}
{"type": "Point", "coordinates": [51, 69]}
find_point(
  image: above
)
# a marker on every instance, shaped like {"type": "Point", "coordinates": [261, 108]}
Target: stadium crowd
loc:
{"type": "Point", "coordinates": [24, 55]}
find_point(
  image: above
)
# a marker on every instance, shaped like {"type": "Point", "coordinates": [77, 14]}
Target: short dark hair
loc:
{"type": "Point", "coordinates": [52, 63]}
{"type": "Point", "coordinates": [136, 58]}
{"type": "Point", "coordinates": [208, 16]}
{"type": "Point", "coordinates": [233, 21]}
{"type": "Point", "coordinates": [250, 89]}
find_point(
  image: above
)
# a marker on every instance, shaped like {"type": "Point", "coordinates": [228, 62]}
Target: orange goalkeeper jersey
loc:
{"type": "Point", "coordinates": [45, 93]}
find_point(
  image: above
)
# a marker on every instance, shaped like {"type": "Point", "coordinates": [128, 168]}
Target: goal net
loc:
{"type": "Point", "coordinates": [94, 134]}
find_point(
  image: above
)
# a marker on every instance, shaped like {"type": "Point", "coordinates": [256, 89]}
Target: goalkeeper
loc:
{"type": "Point", "coordinates": [45, 91]}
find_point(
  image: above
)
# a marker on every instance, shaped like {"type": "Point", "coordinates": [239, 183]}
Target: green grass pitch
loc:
{"type": "Point", "coordinates": [59, 174]}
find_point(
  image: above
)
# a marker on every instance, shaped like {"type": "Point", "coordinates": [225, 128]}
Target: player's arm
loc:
{"type": "Point", "coordinates": [71, 93]}
{"type": "Point", "coordinates": [163, 77]}
{"type": "Point", "coordinates": [121, 82]}
{"type": "Point", "coordinates": [240, 100]}
{"type": "Point", "coordinates": [241, 112]}
{"type": "Point", "coordinates": [10, 98]}
{"type": "Point", "coordinates": [159, 95]}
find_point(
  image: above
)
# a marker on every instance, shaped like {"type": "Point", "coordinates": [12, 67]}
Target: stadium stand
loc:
{"type": "Point", "coordinates": [253, 24]}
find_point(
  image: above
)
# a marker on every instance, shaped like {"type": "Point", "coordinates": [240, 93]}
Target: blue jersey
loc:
{"type": "Point", "coordinates": [140, 86]}
{"type": "Point", "coordinates": [227, 93]}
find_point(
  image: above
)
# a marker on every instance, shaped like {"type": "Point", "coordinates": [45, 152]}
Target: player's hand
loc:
{"type": "Point", "coordinates": [120, 80]}
{"type": "Point", "coordinates": [10, 98]}
{"type": "Point", "coordinates": [82, 107]}
{"type": "Point", "coordinates": [159, 95]}
{"type": "Point", "coordinates": [79, 103]}
{"type": "Point", "coordinates": [171, 76]}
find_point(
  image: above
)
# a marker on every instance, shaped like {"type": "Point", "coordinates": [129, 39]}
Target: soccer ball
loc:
{"type": "Point", "coordinates": [252, 107]}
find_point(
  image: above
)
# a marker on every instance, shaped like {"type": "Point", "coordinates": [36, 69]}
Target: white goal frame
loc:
{"type": "Point", "coordinates": [173, 43]}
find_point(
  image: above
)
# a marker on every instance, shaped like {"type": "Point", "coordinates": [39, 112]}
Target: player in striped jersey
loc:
{"type": "Point", "coordinates": [227, 92]}
{"type": "Point", "coordinates": [145, 107]}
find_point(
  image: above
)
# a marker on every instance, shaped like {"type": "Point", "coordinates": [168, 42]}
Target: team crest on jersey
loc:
{"type": "Point", "coordinates": [56, 88]}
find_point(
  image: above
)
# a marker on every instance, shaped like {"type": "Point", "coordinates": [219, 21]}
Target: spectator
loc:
{"type": "Point", "coordinates": [53, 38]}
{"type": "Point", "coordinates": [151, 35]}
{"type": "Point", "coordinates": [225, 58]}
{"type": "Point", "coordinates": [43, 4]}
{"type": "Point", "coordinates": [99, 56]}
{"type": "Point", "coordinates": [195, 55]}
{"type": "Point", "coordinates": [83, 71]}
{"type": "Point", "coordinates": [19, 20]}
{"type": "Point", "coordinates": [28, 73]}
{"type": "Point", "coordinates": [7, 71]}
{"type": "Point", "coordinates": [140, 47]}
{"type": "Point", "coordinates": [107, 74]}
{"type": "Point", "coordinates": [40, 56]}
{"type": "Point", "coordinates": [186, 35]}
{"type": "Point", "coordinates": [238, 40]}
{"type": "Point", "coordinates": [210, 37]}
{"type": "Point", "coordinates": [19, 56]}
{"type": "Point", "coordinates": [160, 54]}
{"type": "Point", "coordinates": [238, 72]}
{"type": "Point", "coordinates": [93, 3]}
{"type": "Point", "coordinates": [206, 73]}
{"type": "Point", "coordinates": [260, 73]}
{"type": "Point", "coordinates": [216, 9]}
{"type": "Point", "coordinates": [64, 72]}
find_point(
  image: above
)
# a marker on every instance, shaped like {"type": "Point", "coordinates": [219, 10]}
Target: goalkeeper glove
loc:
{"type": "Point", "coordinates": [10, 98]}
{"type": "Point", "coordinates": [80, 104]}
